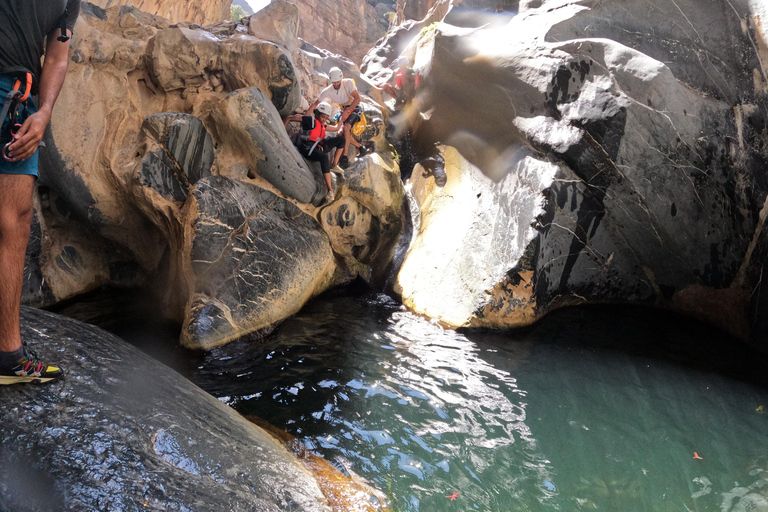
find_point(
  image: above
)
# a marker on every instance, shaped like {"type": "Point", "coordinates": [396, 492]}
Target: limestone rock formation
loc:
{"type": "Point", "coordinates": [165, 115]}
{"type": "Point", "coordinates": [347, 27]}
{"type": "Point", "coordinates": [278, 22]}
{"type": "Point", "coordinates": [202, 12]}
{"type": "Point", "coordinates": [121, 431]}
{"type": "Point", "coordinates": [626, 146]}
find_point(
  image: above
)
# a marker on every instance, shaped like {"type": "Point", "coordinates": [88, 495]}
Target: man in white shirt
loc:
{"type": "Point", "coordinates": [343, 93]}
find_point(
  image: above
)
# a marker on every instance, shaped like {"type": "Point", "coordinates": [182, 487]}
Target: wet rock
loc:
{"type": "Point", "coordinates": [123, 432]}
{"type": "Point", "coordinates": [467, 233]}
{"type": "Point", "coordinates": [184, 155]}
{"type": "Point", "coordinates": [252, 258]}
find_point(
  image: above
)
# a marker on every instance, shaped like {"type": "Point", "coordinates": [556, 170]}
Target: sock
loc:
{"type": "Point", "coordinates": [9, 360]}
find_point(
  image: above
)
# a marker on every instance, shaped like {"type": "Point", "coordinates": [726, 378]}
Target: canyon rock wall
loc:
{"type": "Point", "coordinates": [347, 27]}
{"type": "Point", "coordinates": [202, 12]}
{"type": "Point", "coordinates": [614, 154]}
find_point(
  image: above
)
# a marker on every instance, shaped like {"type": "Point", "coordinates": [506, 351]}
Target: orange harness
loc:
{"type": "Point", "coordinates": [13, 100]}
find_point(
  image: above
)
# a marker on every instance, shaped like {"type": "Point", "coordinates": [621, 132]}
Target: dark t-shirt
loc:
{"type": "Point", "coordinates": [23, 27]}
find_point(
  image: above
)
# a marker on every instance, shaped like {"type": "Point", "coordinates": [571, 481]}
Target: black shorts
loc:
{"type": "Point", "coordinates": [354, 117]}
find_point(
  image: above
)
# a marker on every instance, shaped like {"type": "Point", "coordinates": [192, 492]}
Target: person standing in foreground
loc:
{"type": "Point", "coordinates": [29, 29]}
{"type": "Point", "coordinates": [342, 92]}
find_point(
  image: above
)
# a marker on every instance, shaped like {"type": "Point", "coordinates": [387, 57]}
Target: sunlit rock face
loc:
{"type": "Point", "coordinates": [347, 27]}
{"type": "Point", "coordinates": [152, 116]}
{"type": "Point", "coordinates": [121, 431]}
{"type": "Point", "coordinates": [201, 12]}
{"type": "Point", "coordinates": [627, 144]}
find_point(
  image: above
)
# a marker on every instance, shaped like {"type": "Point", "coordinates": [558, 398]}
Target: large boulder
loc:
{"type": "Point", "coordinates": [121, 431]}
{"type": "Point", "coordinates": [632, 141]}
{"type": "Point", "coordinates": [366, 220]}
{"type": "Point", "coordinates": [251, 258]}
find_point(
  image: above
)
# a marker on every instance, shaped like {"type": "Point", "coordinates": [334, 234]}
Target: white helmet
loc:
{"type": "Point", "coordinates": [324, 108]}
{"type": "Point", "coordinates": [335, 74]}
{"type": "Point", "coordinates": [403, 60]}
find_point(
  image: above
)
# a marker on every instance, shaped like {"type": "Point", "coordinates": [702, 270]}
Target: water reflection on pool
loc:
{"type": "Point", "coordinates": [597, 409]}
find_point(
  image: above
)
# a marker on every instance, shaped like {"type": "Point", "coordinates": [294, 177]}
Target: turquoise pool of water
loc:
{"type": "Point", "coordinates": [609, 409]}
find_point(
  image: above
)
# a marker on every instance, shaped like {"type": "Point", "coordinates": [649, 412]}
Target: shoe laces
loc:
{"type": "Point", "coordinates": [32, 358]}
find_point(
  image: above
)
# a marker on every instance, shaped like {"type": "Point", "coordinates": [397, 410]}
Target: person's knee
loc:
{"type": "Point", "coordinates": [15, 225]}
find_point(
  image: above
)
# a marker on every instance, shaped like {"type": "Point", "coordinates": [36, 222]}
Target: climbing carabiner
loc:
{"type": "Point", "coordinates": [5, 152]}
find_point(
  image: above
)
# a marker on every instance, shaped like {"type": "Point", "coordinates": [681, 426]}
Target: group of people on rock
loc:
{"type": "Point", "coordinates": [313, 143]}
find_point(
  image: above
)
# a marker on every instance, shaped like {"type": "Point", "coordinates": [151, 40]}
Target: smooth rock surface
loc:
{"type": "Point", "coordinates": [123, 432]}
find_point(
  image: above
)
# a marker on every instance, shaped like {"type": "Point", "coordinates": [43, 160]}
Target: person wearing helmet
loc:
{"type": "Point", "coordinates": [312, 142]}
{"type": "Point", "coordinates": [343, 92]}
{"type": "Point", "coordinates": [401, 84]}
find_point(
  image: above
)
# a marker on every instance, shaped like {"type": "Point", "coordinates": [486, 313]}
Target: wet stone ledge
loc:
{"type": "Point", "coordinates": [123, 432]}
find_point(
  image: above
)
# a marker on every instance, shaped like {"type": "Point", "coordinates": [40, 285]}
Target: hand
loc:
{"type": "Point", "coordinates": [27, 139]}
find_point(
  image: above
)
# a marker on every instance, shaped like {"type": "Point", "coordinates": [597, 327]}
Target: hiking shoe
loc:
{"type": "Point", "coordinates": [344, 162]}
{"type": "Point", "coordinates": [31, 368]}
{"type": "Point", "coordinates": [329, 196]}
{"type": "Point", "coordinates": [362, 151]}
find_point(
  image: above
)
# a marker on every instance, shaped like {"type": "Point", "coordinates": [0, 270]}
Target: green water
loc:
{"type": "Point", "coordinates": [597, 409]}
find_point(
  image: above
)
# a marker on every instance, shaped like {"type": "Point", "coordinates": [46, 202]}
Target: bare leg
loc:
{"type": "Point", "coordinates": [349, 139]}
{"type": "Point", "coordinates": [327, 177]}
{"type": "Point", "coordinates": [336, 158]}
{"type": "Point", "coordinates": [15, 219]}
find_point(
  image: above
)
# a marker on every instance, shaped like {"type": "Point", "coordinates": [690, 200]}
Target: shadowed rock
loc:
{"type": "Point", "coordinates": [123, 432]}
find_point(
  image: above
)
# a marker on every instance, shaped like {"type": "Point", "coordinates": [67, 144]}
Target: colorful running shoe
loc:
{"type": "Point", "coordinates": [31, 369]}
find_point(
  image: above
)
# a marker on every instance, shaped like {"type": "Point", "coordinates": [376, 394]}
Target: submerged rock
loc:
{"type": "Point", "coordinates": [122, 432]}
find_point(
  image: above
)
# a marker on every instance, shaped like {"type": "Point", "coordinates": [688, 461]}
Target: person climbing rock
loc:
{"type": "Point", "coordinates": [311, 141]}
{"type": "Point", "coordinates": [29, 29]}
{"type": "Point", "coordinates": [343, 92]}
{"type": "Point", "coordinates": [402, 83]}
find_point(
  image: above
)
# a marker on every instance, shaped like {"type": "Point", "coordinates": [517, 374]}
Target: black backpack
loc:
{"type": "Point", "coordinates": [301, 137]}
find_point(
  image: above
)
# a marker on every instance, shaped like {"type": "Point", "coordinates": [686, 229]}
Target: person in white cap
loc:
{"type": "Point", "coordinates": [401, 84]}
{"type": "Point", "coordinates": [343, 92]}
